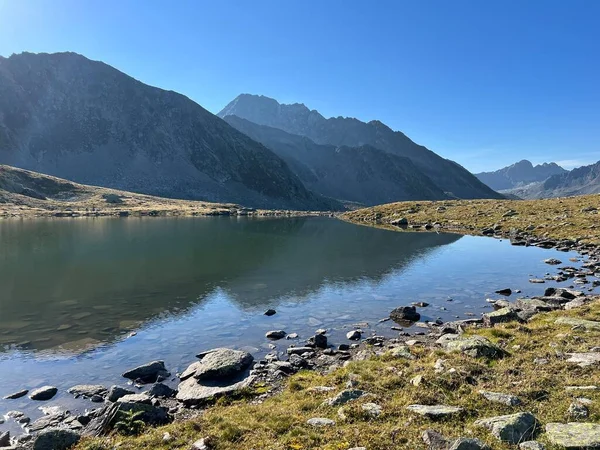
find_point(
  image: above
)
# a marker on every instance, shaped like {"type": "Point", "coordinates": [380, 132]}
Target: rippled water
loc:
{"type": "Point", "coordinates": [83, 300]}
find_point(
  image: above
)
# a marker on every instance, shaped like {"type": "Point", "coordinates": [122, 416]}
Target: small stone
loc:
{"type": "Point", "coordinates": [345, 397]}
{"type": "Point", "coordinates": [416, 381]}
{"type": "Point", "coordinates": [275, 334]}
{"type": "Point", "coordinates": [116, 392]}
{"type": "Point", "coordinates": [420, 304]}
{"type": "Point", "coordinates": [270, 312]}
{"type": "Point", "coordinates": [506, 292]}
{"type": "Point", "coordinates": [469, 444]}
{"type": "Point", "coordinates": [578, 411]}
{"type": "Point", "coordinates": [200, 444]}
{"type": "Point", "coordinates": [16, 395]}
{"type": "Point", "coordinates": [292, 336]}
{"type": "Point", "coordinates": [532, 445]}
{"type": "Point", "coordinates": [435, 440]}
{"type": "Point", "coordinates": [167, 437]}
{"type": "Point", "coordinates": [505, 399]}
{"type": "Point", "coordinates": [44, 393]}
{"type": "Point", "coordinates": [572, 321]}
{"type": "Point", "coordinates": [372, 409]}
{"type": "Point", "coordinates": [320, 422]}
{"type": "Point", "coordinates": [434, 411]}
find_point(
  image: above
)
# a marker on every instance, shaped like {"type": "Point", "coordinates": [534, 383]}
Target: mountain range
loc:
{"type": "Point", "coordinates": [64, 115]}
{"type": "Point", "coordinates": [519, 174]}
{"type": "Point", "coordinates": [297, 119]}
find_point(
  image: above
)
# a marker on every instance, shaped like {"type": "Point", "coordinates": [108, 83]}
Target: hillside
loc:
{"type": "Point", "coordinates": [67, 116]}
{"type": "Point", "coordinates": [519, 174]}
{"type": "Point", "coordinates": [364, 175]}
{"type": "Point", "coordinates": [297, 119]}
{"type": "Point", "coordinates": [29, 194]}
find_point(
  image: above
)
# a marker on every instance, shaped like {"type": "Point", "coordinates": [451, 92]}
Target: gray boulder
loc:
{"type": "Point", "coordinates": [574, 322]}
{"type": "Point", "coordinates": [505, 399]}
{"type": "Point", "coordinates": [512, 428]}
{"type": "Point", "coordinates": [574, 436]}
{"type": "Point", "coordinates": [275, 334]}
{"type": "Point", "coordinates": [87, 390]}
{"type": "Point", "coordinates": [345, 397]}
{"type": "Point", "coordinates": [116, 392]}
{"type": "Point", "coordinates": [501, 315]}
{"type": "Point", "coordinates": [404, 314]}
{"type": "Point", "coordinates": [161, 390]}
{"type": "Point", "coordinates": [5, 439]}
{"type": "Point", "coordinates": [194, 392]}
{"type": "Point", "coordinates": [474, 346]}
{"type": "Point", "coordinates": [56, 439]}
{"type": "Point", "coordinates": [435, 411]}
{"type": "Point", "coordinates": [221, 363]}
{"type": "Point", "coordinates": [150, 414]}
{"type": "Point", "coordinates": [148, 373]}
{"type": "Point", "coordinates": [531, 445]}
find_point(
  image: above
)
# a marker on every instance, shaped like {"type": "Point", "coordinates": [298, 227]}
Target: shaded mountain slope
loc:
{"type": "Point", "coordinates": [339, 131]}
{"type": "Point", "coordinates": [65, 115]}
{"type": "Point", "coordinates": [363, 175]}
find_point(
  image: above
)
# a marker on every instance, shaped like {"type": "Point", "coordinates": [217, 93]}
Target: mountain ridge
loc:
{"type": "Point", "coordinates": [364, 175]}
{"type": "Point", "coordinates": [65, 115]}
{"type": "Point", "coordinates": [298, 119]}
{"type": "Point", "coordinates": [519, 174]}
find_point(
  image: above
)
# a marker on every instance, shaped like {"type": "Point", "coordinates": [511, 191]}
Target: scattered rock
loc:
{"type": "Point", "coordinates": [344, 397]}
{"type": "Point", "coordinates": [354, 335]}
{"type": "Point", "coordinates": [319, 341]}
{"type": "Point", "coordinates": [221, 363]}
{"type": "Point", "coordinates": [584, 359]}
{"type": "Point", "coordinates": [148, 373]}
{"type": "Point", "coordinates": [572, 321]}
{"type": "Point", "coordinates": [578, 411]}
{"type": "Point", "coordinates": [505, 399]}
{"type": "Point", "coordinates": [474, 346]}
{"type": "Point", "coordinates": [512, 428]}
{"type": "Point", "coordinates": [400, 222]}
{"type": "Point", "coordinates": [372, 409]}
{"type": "Point", "coordinates": [44, 393]}
{"type": "Point", "coordinates": [55, 439]}
{"type": "Point", "coordinates": [553, 261]}
{"type": "Point", "coordinates": [193, 392]}
{"type": "Point", "coordinates": [87, 390]}
{"type": "Point", "coordinates": [401, 351]}
{"type": "Point", "coordinates": [275, 334]}
{"type": "Point", "coordinates": [298, 350]}
{"type": "Point", "coordinates": [502, 315]}
{"type": "Point", "coordinates": [16, 395]}
{"type": "Point", "coordinates": [320, 422]}
{"type": "Point", "coordinates": [404, 314]}
{"type": "Point", "coordinates": [435, 440]}
{"type": "Point", "coordinates": [201, 444]}
{"type": "Point", "coordinates": [532, 445]}
{"type": "Point", "coordinates": [469, 444]}
{"type": "Point", "coordinates": [506, 292]}
{"type": "Point", "coordinates": [574, 435]}
{"type": "Point", "coordinates": [116, 392]}
{"type": "Point", "coordinates": [161, 390]}
{"type": "Point", "coordinates": [434, 411]}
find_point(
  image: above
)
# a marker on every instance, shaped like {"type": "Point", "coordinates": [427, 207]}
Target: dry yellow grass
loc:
{"type": "Point", "coordinates": [562, 218]}
{"type": "Point", "coordinates": [280, 422]}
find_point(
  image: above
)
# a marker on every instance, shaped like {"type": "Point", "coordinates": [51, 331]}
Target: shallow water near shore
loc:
{"type": "Point", "coordinates": [83, 300]}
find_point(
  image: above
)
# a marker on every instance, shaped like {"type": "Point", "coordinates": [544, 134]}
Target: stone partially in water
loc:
{"type": "Point", "coordinates": [404, 314]}
{"type": "Point", "coordinates": [512, 428]}
{"type": "Point", "coordinates": [148, 373]}
{"type": "Point", "coordinates": [44, 393]}
{"type": "Point", "coordinates": [16, 395]}
{"type": "Point", "coordinates": [275, 334]}
{"type": "Point", "coordinates": [574, 435]}
{"type": "Point", "coordinates": [222, 363]}
{"type": "Point", "coordinates": [116, 392]}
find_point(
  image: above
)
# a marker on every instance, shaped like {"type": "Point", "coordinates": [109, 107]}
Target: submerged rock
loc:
{"type": "Point", "coordinates": [16, 395]}
{"type": "Point", "coordinates": [574, 435]}
{"type": "Point", "coordinates": [512, 428]}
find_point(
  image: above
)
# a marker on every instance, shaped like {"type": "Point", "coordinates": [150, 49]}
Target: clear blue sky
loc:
{"type": "Point", "coordinates": [485, 83]}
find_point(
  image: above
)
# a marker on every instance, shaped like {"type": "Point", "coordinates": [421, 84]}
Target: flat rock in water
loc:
{"type": "Point", "coordinates": [584, 359]}
{"type": "Point", "coordinates": [345, 397]}
{"type": "Point", "coordinates": [474, 346]}
{"type": "Point", "coordinates": [299, 350]}
{"type": "Point", "coordinates": [320, 422]}
{"type": "Point", "coordinates": [469, 444]}
{"type": "Point", "coordinates": [56, 439]}
{"type": "Point", "coordinates": [221, 363]}
{"type": "Point", "coordinates": [506, 292]}
{"type": "Point", "coordinates": [87, 390]}
{"type": "Point", "coordinates": [505, 399]}
{"type": "Point", "coordinates": [434, 411]}
{"type": "Point", "coordinates": [16, 395]}
{"type": "Point", "coordinates": [512, 428]}
{"type": "Point", "coordinates": [574, 435]}
{"type": "Point", "coordinates": [44, 393]}
{"type": "Point", "coordinates": [193, 392]}
{"type": "Point", "coordinates": [148, 373]}
{"type": "Point", "coordinates": [572, 321]}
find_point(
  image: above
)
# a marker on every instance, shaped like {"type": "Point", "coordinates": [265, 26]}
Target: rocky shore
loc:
{"type": "Point", "coordinates": [444, 380]}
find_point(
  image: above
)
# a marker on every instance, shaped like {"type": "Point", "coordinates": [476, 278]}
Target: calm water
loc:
{"type": "Point", "coordinates": [73, 291]}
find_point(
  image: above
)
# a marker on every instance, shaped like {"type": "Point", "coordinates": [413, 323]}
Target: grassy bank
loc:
{"type": "Point", "coordinates": [563, 218]}
{"type": "Point", "coordinates": [280, 422]}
